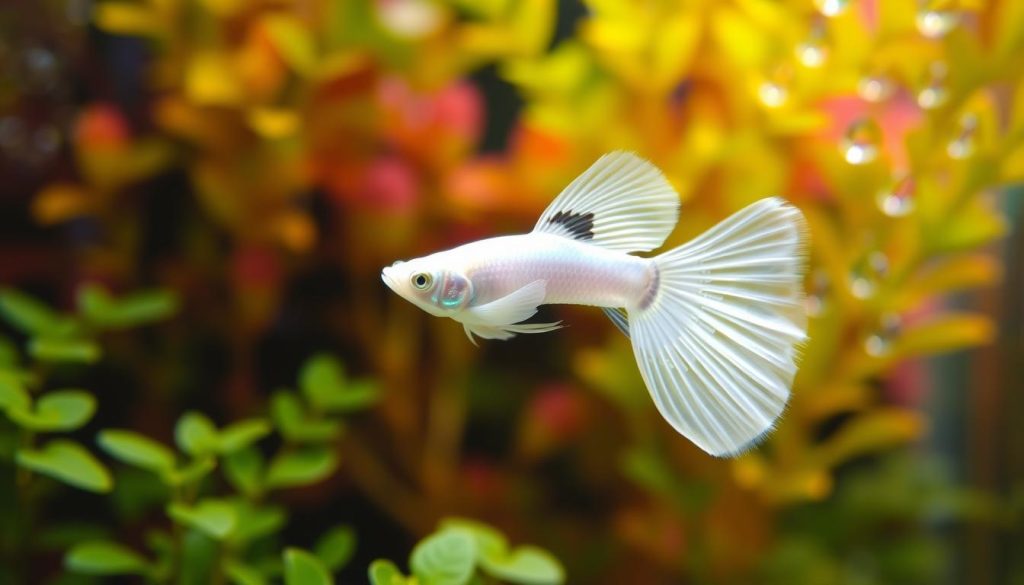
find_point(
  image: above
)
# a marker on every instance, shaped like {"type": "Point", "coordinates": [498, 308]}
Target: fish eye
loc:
{"type": "Point", "coordinates": [422, 280]}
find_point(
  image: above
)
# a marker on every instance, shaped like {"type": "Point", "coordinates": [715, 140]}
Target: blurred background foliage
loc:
{"type": "Point", "coordinates": [198, 196]}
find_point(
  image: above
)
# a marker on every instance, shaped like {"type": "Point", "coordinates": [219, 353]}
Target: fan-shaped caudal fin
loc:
{"type": "Point", "coordinates": [717, 343]}
{"type": "Point", "coordinates": [622, 202]}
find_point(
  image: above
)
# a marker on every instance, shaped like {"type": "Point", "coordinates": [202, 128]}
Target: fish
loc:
{"type": "Point", "coordinates": [716, 324]}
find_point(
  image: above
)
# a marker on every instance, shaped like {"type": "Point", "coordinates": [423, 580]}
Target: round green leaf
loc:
{"type": "Point", "coordinates": [105, 558]}
{"type": "Point", "coordinates": [68, 462]}
{"type": "Point", "coordinates": [321, 376]}
{"type": "Point", "coordinates": [59, 349]}
{"type": "Point", "coordinates": [527, 565]}
{"type": "Point", "coordinates": [489, 541]}
{"type": "Point", "coordinates": [299, 468]}
{"type": "Point", "coordinates": [214, 518]}
{"type": "Point", "coordinates": [62, 410]}
{"type": "Point", "coordinates": [244, 470]}
{"type": "Point", "coordinates": [195, 434]}
{"type": "Point", "coordinates": [190, 473]}
{"type": "Point", "coordinates": [257, 521]}
{"type": "Point", "coordinates": [302, 568]}
{"type": "Point", "coordinates": [135, 449]}
{"type": "Point", "coordinates": [242, 434]}
{"type": "Point", "coordinates": [133, 310]}
{"type": "Point", "coordinates": [445, 558]}
{"type": "Point", "coordinates": [336, 547]}
{"type": "Point", "coordinates": [26, 313]}
{"type": "Point", "coordinates": [242, 574]}
{"type": "Point", "coordinates": [384, 572]}
{"type": "Point", "coordinates": [295, 426]}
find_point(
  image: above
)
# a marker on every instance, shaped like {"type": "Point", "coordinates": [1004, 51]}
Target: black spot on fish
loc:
{"type": "Point", "coordinates": [579, 225]}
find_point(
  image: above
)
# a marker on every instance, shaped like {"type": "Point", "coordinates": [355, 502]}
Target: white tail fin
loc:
{"type": "Point", "coordinates": [716, 338]}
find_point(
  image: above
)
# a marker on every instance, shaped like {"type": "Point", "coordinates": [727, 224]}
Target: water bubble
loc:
{"type": "Point", "coordinates": [963, 145]}
{"type": "Point", "coordinates": [817, 297]}
{"type": "Point", "coordinates": [41, 68]}
{"type": "Point", "coordinates": [935, 94]}
{"type": "Point", "coordinates": [875, 88]}
{"type": "Point", "coordinates": [860, 144]}
{"type": "Point", "coordinates": [831, 8]}
{"type": "Point", "coordinates": [880, 342]}
{"type": "Point", "coordinates": [867, 275]}
{"type": "Point", "coordinates": [935, 19]}
{"type": "Point", "coordinates": [772, 94]}
{"type": "Point", "coordinates": [898, 200]}
{"type": "Point", "coordinates": [813, 51]}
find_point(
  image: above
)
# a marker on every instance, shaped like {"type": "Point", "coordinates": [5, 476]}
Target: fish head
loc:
{"type": "Point", "coordinates": [440, 291]}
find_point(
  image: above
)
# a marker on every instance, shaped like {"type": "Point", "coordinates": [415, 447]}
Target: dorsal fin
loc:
{"type": "Point", "coordinates": [622, 202]}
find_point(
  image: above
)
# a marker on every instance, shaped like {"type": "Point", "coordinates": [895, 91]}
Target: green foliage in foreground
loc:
{"type": "Point", "coordinates": [464, 552]}
{"type": "Point", "coordinates": [216, 485]}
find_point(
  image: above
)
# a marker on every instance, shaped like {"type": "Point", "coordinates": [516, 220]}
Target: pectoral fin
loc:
{"type": "Point", "coordinates": [500, 318]}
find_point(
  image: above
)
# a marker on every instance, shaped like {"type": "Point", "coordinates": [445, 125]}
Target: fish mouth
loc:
{"type": "Point", "coordinates": [388, 279]}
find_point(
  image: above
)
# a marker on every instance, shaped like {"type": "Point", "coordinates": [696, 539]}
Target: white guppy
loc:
{"type": "Point", "coordinates": [715, 323]}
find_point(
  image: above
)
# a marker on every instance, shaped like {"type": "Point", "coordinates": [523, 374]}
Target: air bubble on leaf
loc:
{"type": "Point", "coordinates": [880, 342]}
{"type": "Point", "coordinates": [774, 90]}
{"type": "Point", "coordinates": [935, 94]}
{"type": "Point", "coordinates": [772, 94]}
{"type": "Point", "coordinates": [875, 88]}
{"type": "Point", "coordinates": [867, 275]}
{"type": "Point", "coordinates": [860, 144]}
{"type": "Point", "coordinates": [935, 19]}
{"type": "Point", "coordinates": [813, 51]}
{"type": "Point", "coordinates": [898, 200]}
{"type": "Point", "coordinates": [963, 145]}
{"type": "Point", "coordinates": [816, 299]}
{"type": "Point", "coordinates": [831, 8]}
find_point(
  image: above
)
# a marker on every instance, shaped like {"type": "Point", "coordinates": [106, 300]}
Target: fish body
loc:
{"type": "Point", "coordinates": [715, 323]}
{"type": "Point", "coordinates": [574, 272]}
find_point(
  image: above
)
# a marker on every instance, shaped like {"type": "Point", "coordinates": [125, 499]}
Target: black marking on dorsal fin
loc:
{"type": "Point", "coordinates": [579, 225]}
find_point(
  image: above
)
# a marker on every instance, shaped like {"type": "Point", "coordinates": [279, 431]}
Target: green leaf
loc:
{"type": "Point", "coordinates": [336, 547]}
{"type": "Point", "coordinates": [68, 462]}
{"type": "Point", "coordinates": [59, 349]}
{"type": "Point", "coordinates": [191, 473]}
{"type": "Point", "coordinates": [321, 375]}
{"type": "Point", "coordinates": [384, 572]}
{"type": "Point", "coordinates": [323, 383]}
{"type": "Point", "coordinates": [242, 434]}
{"type": "Point", "coordinates": [62, 410]}
{"type": "Point", "coordinates": [105, 558]}
{"type": "Point", "coordinates": [242, 574]}
{"type": "Point", "coordinates": [489, 541]}
{"type": "Point", "coordinates": [527, 565]}
{"type": "Point", "coordinates": [298, 468]}
{"type": "Point", "coordinates": [135, 449]}
{"type": "Point", "coordinates": [256, 521]}
{"type": "Point", "coordinates": [302, 568]}
{"type": "Point", "coordinates": [295, 426]}
{"type": "Point", "coordinates": [447, 557]}
{"type": "Point", "coordinates": [13, 393]}
{"type": "Point", "coordinates": [195, 434]}
{"type": "Point", "coordinates": [26, 313]}
{"type": "Point", "coordinates": [244, 470]}
{"type": "Point", "coordinates": [215, 518]}
{"type": "Point", "coordinates": [99, 308]}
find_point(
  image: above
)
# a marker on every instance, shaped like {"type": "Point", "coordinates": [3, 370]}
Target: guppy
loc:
{"type": "Point", "coordinates": [715, 324]}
